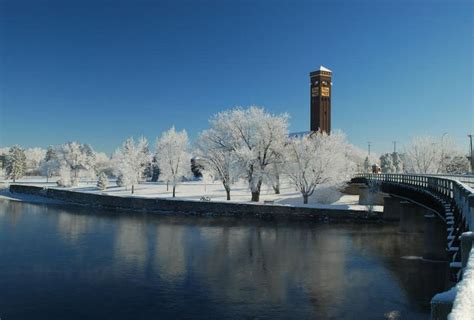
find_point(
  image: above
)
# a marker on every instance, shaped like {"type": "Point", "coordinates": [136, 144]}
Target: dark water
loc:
{"type": "Point", "coordinates": [74, 263]}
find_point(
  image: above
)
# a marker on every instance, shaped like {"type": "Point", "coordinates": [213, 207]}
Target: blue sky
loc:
{"type": "Point", "coordinates": [100, 71]}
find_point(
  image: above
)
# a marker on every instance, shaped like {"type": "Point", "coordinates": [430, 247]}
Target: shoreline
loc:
{"type": "Point", "coordinates": [36, 194]}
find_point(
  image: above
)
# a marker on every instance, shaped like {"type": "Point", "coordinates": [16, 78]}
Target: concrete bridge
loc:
{"type": "Point", "coordinates": [442, 207]}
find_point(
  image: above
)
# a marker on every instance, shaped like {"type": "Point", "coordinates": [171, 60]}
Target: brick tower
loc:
{"type": "Point", "coordinates": [321, 100]}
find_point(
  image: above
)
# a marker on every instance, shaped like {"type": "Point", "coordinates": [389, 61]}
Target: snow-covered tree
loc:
{"type": "Point", "coordinates": [318, 160]}
{"type": "Point", "coordinates": [102, 181]}
{"type": "Point", "coordinates": [173, 157]}
{"type": "Point", "coordinates": [217, 159]}
{"type": "Point", "coordinates": [131, 161]}
{"type": "Point", "coordinates": [77, 157]}
{"type": "Point", "coordinates": [357, 156]}
{"type": "Point", "coordinates": [34, 156]}
{"type": "Point", "coordinates": [103, 163]}
{"type": "Point", "coordinates": [391, 163]}
{"type": "Point", "coordinates": [386, 163]}
{"type": "Point", "coordinates": [275, 171]}
{"type": "Point", "coordinates": [255, 137]}
{"type": "Point", "coordinates": [458, 164]}
{"type": "Point", "coordinates": [397, 162]}
{"type": "Point", "coordinates": [49, 166]}
{"type": "Point", "coordinates": [16, 163]}
{"type": "Point", "coordinates": [367, 165]}
{"type": "Point", "coordinates": [64, 176]}
{"type": "Point", "coordinates": [426, 154]}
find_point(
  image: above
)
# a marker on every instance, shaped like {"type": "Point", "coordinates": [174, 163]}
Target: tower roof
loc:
{"type": "Point", "coordinates": [323, 68]}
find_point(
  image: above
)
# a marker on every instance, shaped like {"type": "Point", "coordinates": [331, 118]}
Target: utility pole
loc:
{"type": "Point", "coordinates": [394, 146]}
{"type": "Point", "coordinates": [472, 154]}
{"type": "Point", "coordinates": [369, 144]}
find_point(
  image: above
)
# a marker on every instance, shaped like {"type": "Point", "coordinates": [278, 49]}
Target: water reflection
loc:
{"type": "Point", "coordinates": [170, 252]}
{"type": "Point", "coordinates": [131, 245]}
{"type": "Point", "coordinates": [185, 267]}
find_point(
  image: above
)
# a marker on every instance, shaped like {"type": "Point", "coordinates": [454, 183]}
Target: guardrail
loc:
{"type": "Point", "coordinates": [452, 187]}
{"type": "Point", "coordinates": [457, 190]}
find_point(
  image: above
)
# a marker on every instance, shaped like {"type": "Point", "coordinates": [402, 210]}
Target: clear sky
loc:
{"type": "Point", "coordinates": [100, 71]}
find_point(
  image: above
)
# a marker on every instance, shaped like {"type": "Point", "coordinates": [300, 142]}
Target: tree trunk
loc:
{"type": "Point", "coordinates": [227, 191]}
{"type": "Point", "coordinates": [305, 198]}
{"type": "Point", "coordinates": [256, 193]}
{"type": "Point", "coordinates": [276, 188]}
{"type": "Point", "coordinates": [276, 185]}
{"type": "Point", "coordinates": [133, 189]}
{"type": "Point", "coordinates": [174, 191]}
{"type": "Point", "coordinates": [167, 185]}
{"type": "Point", "coordinates": [255, 196]}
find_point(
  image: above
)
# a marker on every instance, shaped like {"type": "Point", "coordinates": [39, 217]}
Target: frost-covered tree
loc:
{"type": "Point", "coordinates": [458, 164]}
{"type": "Point", "coordinates": [103, 163]}
{"type": "Point", "coordinates": [49, 166]}
{"type": "Point", "coordinates": [397, 162]}
{"type": "Point", "coordinates": [131, 160]}
{"type": "Point", "coordinates": [275, 170]}
{"type": "Point", "coordinates": [426, 154]}
{"type": "Point", "coordinates": [255, 137]}
{"type": "Point", "coordinates": [77, 157]}
{"type": "Point", "coordinates": [367, 165]}
{"type": "Point", "coordinates": [217, 159]}
{"type": "Point", "coordinates": [391, 163]}
{"type": "Point", "coordinates": [34, 156]}
{"type": "Point", "coordinates": [318, 160]}
{"type": "Point", "coordinates": [173, 157]}
{"type": "Point", "coordinates": [357, 156]}
{"type": "Point", "coordinates": [103, 181]}
{"type": "Point", "coordinates": [16, 163]}
{"type": "Point", "coordinates": [64, 176]}
{"type": "Point", "coordinates": [386, 163]}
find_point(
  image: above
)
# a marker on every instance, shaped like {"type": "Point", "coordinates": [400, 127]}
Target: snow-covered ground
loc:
{"type": "Point", "coordinates": [194, 190]}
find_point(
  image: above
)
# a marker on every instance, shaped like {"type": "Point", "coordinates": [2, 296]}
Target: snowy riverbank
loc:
{"type": "Point", "coordinates": [194, 190]}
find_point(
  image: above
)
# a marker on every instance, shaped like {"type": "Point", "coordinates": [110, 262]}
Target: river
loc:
{"type": "Point", "coordinates": [66, 262]}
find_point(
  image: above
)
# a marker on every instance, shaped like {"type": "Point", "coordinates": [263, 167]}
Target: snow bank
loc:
{"type": "Point", "coordinates": [194, 190]}
{"type": "Point", "coordinates": [463, 307]}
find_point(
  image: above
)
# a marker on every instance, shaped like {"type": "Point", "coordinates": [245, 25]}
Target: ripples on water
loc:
{"type": "Point", "coordinates": [77, 263]}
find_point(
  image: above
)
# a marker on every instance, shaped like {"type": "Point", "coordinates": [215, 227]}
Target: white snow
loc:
{"type": "Point", "coordinates": [322, 68]}
{"type": "Point", "coordinates": [194, 190]}
{"type": "Point", "coordinates": [463, 307]}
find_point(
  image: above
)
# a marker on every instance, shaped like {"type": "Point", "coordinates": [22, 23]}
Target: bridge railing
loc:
{"type": "Point", "coordinates": [454, 187]}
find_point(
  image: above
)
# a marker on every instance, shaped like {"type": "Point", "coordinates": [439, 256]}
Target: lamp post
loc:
{"type": "Point", "coordinates": [472, 154]}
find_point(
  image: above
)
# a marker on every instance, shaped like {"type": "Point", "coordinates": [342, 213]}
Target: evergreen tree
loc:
{"type": "Point", "coordinates": [120, 181]}
{"type": "Point", "coordinates": [458, 165]}
{"type": "Point", "coordinates": [50, 165]}
{"type": "Point", "coordinates": [16, 163]}
{"type": "Point", "coordinates": [386, 163]}
{"type": "Point", "coordinates": [196, 168]}
{"type": "Point", "coordinates": [155, 170]}
{"type": "Point", "coordinates": [103, 181]}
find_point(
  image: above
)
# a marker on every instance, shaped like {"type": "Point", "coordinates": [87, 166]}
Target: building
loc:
{"type": "Point", "coordinates": [321, 87]}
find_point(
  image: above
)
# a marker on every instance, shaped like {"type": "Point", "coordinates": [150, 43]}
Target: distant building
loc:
{"type": "Point", "coordinates": [320, 105]}
{"type": "Point", "coordinates": [321, 86]}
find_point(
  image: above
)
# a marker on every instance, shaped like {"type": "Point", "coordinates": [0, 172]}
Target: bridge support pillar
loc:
{"type": "Point", "coordinates": [434, 238]}
{"type": "Point", "coordinates": [411, 217]}
{"type": "Point", "coordinates": [391, 208]}
{"type": "Point", "coordinates": [353, 188]}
